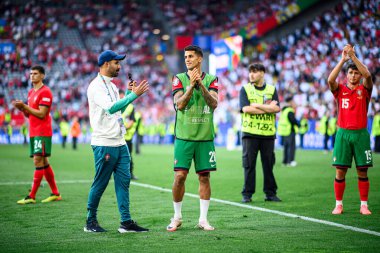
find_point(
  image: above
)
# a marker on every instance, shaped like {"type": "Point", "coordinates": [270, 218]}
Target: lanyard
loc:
{"type": "Point", "coordinates": [109, 93]}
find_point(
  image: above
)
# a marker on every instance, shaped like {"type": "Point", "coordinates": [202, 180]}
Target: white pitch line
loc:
{"type": "Point", "coordinates": [226, 202]}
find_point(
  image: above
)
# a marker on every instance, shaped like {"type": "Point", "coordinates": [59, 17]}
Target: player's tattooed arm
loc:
{"type": "Point", "coordinates": [211, 97]}
{"type": "Point", "coordinates": [181, 99]}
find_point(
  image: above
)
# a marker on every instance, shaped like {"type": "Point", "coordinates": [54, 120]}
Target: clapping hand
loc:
{"type": "Point", "coordinates": [195, 79]}
{"type": "Point", "coordinates": [347, 48]}
{"type": "Point", "coordinates": [18, 104]}
{"type": "Point", "coordinates": [351, 51]}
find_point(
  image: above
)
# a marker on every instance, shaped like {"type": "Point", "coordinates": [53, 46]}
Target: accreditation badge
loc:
{"type": "Point", "coordinates": [123, 131]}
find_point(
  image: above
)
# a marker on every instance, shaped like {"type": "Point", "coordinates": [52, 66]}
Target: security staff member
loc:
{"type": "Point", "coordinates": [376, 131]}
{"type": "Point", "coordinates": [259, 104]}
{"type": "Point", "coordinates": [303, 129]}
{"type": "Point", "coordinates": [286, 128]}
{"type": "Point", "coordinates": [130, 124]}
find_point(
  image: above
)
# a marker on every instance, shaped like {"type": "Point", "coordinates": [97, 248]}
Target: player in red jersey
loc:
{"type": "Point", "coordinates": [352, 138]}
{"type": "Point", "coordinates": [40, 99]}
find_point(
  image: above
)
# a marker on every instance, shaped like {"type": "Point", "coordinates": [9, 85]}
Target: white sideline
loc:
{"type": "Point", "coordinates": [290, 215]}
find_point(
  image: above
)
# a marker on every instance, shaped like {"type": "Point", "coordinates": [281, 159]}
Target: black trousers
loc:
{"type": "Point", "coordinates": [325, 142]}
{"type": "Point", "coordinates": [377, 144]}
{"type": "Point", "coordinates": [139, 140]}
{"type": "Point", "coordinates": [130, 148]}
{"type": "Point", "coordinates": [64, 139]}
{"type": "Point", "coordinates": [251, 148]}
{"type": "Point", "coordinates": [75, 141]}
{"type": "Point", "coordinates": [289, 143]}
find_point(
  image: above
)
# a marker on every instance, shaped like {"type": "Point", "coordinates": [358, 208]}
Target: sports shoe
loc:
{"type": "Point", "coordinates": [26, 200]}
{"type": "Point", "coordinates": [339, 209]}
{"type": "Point", "coordinates": [51, 198]}
{"type": "Point", "coordinates": [273, 198]}
{"type": "Point", "coordinates": [174, 224]}
{"type": "Point", "coordinates": [93, 227]}
{"type": "Point", "coordinates": [364, 210]}
{"type": "Point", "coordinates": [131, 227]}
{"type": "Point", "coordinates": [246, 199]}
{"type": "Point", "coordinates": [204, 225]}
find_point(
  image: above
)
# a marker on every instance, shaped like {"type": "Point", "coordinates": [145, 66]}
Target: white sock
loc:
{"type": "Point", "coordinates": [177, 210]}
{"type": "Point", "coordinates": [364, 203]}
{"type": "Point", "coordinates": [339, 202]}
{"type": "Point", "coordinates": [204, 204]}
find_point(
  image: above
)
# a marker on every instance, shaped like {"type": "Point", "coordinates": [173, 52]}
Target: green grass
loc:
{"type": "Point", "coordinates": [306, 190]}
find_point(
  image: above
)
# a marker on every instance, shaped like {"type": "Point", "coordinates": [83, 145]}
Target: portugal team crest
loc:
{"type": "Point", "coordinates": [107, 157]}
{"type": "Point", "coordinates": [359, 92]}
{"type": "Point", "coordinates": [175, 81]}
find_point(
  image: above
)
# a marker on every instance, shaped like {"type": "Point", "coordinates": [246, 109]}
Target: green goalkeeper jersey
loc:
{"type": "Point", "coordinates": [196, 121]}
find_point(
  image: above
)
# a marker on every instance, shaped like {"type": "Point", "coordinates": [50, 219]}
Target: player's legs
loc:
{"type": "Point", "coordinates": [204, 195]}
{"type": "Point", "coordinates": [50, 178]}
{"type": "Point", "coordinates": [38, 174]}
{"type": "Point", "coordinates": [363, 159]}
{"type": "Point", "coordinates": [205, 161]}
{"type": "Point", "coordinates": [342, 160]}
{"type": "Point", "coordinates": [178, 191]}
{"type": "Point", "coordinates": [183, 155]}
{"type": "Point", "coordinates": [363, 185]}
{"type": "Point", "coordinates": [339, 187]}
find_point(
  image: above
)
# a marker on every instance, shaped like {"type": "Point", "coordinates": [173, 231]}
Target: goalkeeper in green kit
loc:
{"type": "Point", "coordinates": [195, 99]}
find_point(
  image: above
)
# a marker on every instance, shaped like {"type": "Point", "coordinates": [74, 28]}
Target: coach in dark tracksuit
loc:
{"type": "Point", "coordinates": [259, 105]}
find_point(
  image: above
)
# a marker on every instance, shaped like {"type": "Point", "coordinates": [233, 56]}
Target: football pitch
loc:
{"type": "Point", "coordinates": [301, 223]}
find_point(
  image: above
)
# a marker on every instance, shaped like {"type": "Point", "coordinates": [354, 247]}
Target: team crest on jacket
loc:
{"type": "Point", "coordinates": [107, 157]}
{"type": "Point", "coordinates": [175, 81]}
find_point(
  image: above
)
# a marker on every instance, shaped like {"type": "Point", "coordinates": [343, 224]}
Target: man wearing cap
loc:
{"type": "Point", "coordinates": [258, 105]}
{"type": "Point", "coordinates": [110, 151]}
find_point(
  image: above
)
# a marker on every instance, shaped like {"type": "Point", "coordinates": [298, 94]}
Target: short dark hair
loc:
{"type": "Point", "coordinates": [39, 69]}
{"type": "Point", "coordinates": [288, 98]}
{"type": "Point", "coordinates": [256, 66]}
{"type": "Point", "coordinates": [198, 51]}
{"type": "Point", "coordinates": [351, 65]}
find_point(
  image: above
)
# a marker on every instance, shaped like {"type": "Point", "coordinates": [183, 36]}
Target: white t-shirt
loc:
{"type": "Point", "coordinates": [101, 96]}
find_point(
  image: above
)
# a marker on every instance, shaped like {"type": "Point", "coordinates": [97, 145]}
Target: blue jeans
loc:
{"type": "Point", "coordinates": [110, 160]}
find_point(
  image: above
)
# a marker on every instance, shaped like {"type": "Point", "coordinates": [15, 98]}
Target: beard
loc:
{"type": "Point", "coordinates": [114, 73]}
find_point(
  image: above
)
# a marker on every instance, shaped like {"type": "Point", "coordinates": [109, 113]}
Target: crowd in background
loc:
{"type": "Point", "coordinates": [298, 63]}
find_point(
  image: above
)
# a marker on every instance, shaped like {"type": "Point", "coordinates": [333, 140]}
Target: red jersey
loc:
{"type": "Point", "coordinates": [352, 106]}
{"type": "Point", "coordinates": [36, 98]}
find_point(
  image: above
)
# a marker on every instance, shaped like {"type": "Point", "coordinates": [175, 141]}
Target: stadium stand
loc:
{"type": "Point", "coordinates": [66, 37]}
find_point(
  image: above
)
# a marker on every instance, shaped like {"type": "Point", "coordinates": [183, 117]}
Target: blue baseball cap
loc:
{"type": "Point", "coordinates": [109, 55]}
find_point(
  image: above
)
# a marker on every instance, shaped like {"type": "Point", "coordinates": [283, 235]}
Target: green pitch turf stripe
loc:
{"type": "Point", "coordinates": [290, 215]}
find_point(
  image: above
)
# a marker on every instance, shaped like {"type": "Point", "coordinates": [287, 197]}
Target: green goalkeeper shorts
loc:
{"type": "Point", "coordinates": [203, 153]}
{"type": "Point", "coordinates": [352, 144]}
{"type": "Point", "coordinates": [40, 146]}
